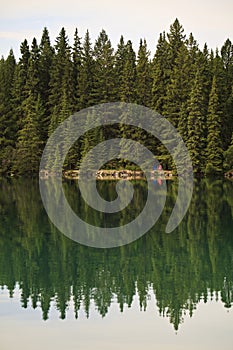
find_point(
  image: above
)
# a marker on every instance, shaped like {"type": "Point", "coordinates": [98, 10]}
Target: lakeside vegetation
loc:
{"type": "Point", "coordinates": [190, 86]}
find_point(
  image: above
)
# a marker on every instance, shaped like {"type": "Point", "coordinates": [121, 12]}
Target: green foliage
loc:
{"type": "Point", "coordinates": [127, 90]}
{"type": "Point", "coordinates": [87, 74]}
{"type": "Point", "coordinates": [228, 156]}
{"type": "Point", "coordinates": [143, 75]}
{"type": "Point", "coordinates": [104, 79]}
{"type": "Point", "coordinates": [196, 142]}
{"type": "Point", "coordinates": [177, 83]}
{"type": "Point", "coordinates": [214, 145]}
{"type": "Point", "coordinates": [181, 270]}
{"type": "Point", "coordinates": [28, 148]}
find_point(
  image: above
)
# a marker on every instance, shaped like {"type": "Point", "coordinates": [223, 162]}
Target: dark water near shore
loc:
{"type": "Point", "coordinates": [170, 291]}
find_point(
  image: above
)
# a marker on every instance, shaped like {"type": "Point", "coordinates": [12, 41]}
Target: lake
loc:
{"type": "Point", "coordinates": [165, 291]}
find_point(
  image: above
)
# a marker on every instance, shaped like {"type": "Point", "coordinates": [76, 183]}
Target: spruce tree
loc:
{"type": "Point", "coordinates": [61, 79]}
{"type": "Point", "coordinates": [28, 148]}
{"type": "Point", "coordinates": [77, 56]}
{"type": "Point", "coordinates": [181, 80]}
{"type": "Point", "coordinates": [128, 79]}
{"type": "Point", "coordinates": [8, 122]}
{"type": "Point", "coordinates": [175, 41]}
{"type": "Point", "coordinates": [183, 122]}
{"type": "Point", "coordinates": [160, 74]}
{"type": "Point", "coordinates": [87, 74]}
{"type": "Point", "coordinates": [179, 86]}
{"type": "Point", "coordinates": [227, 61]}
{"type": "Point", "coordinates": [33, 75]}
{"type": "Point", "coordinates": [119, 62]}
{"type": "Point", "coordinates": [92, 138]}
{"type": "Point", "coordinates": [45, 66]}
{"type": "Point", "coordinates": [143, 75]}
{"type": "Point", "coordinates": [228, 156]}
{"type": "Point", "coordinates": [19, 91]}
{"type": "Point", "coordinates": [197, 125]}
{"type": "Point", "coordinates": [104, 82]}
{"type": "Point", "coordinates": [214, 144]}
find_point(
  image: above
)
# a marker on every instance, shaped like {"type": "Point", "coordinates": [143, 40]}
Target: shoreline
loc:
{"type": "Point", "coordinates": [114, 174]}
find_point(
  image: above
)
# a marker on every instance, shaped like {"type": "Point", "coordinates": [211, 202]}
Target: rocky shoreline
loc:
{"type": "Point", "coordinates": [113, 174]}
{"type": "Point", "coordinates": [119, 174]}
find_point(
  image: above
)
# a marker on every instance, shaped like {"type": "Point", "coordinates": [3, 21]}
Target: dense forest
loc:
{"type": "Point", "coordinates": [193, 263]}
{"type": "Point", "coordinates": [192, 87]}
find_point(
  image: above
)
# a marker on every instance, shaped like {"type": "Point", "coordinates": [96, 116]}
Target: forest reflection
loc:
{"type": "Point", "coordinates": [181, 268]}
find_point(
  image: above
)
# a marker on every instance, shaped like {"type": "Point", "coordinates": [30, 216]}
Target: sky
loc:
{"type": "Point", "coordinates": [210, 21]}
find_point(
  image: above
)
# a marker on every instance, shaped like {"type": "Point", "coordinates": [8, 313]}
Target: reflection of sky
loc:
{"type": "Point", "coordinates": [210, 328]}
{"type": "Point", "coordinates": [209, 20]}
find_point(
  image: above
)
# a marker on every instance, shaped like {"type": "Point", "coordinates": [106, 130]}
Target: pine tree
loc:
{"type": "Point", "coordinates": [87, 74]}
{"type": "Point", "coordinates": [183, 122]}
{"type": "Point", "coordinates": [28, 150]}
{"type": "Point", "coordinates": [228, 156]}
{"type": "Point", "coordinates": [227, 61]}
{"type": "Point", "coordinates": [119, 62]}
{"type": "Point", "coordinates": [19, 91]}
{"type": "Point", "coordinates": [77, 55]}
{"type": "Point", "coordinates": [179, 86]}
{"type": "Point", "coordinates": [197, 126]}
{"type": "Point", "coordinates": [181, 80]}
{"type": "Point", "coordinates": [143, 75]}
{"type": "Point", "coordinates": [93, 137]}
{"type": "Point", "coordinates": [104, 83]}
{"type": "Point", "coordinates": [128, 79]}
{"type": "Point", "coordinates": [45, 65]}
{"type": "Point", "coordinates": [175, 41]}
{"type": "Point", "coordinates": [33, 75]}
{"type": "Point", "coordinates": [61, 79]}
{"type": "Point", "coordinates": [8, 123]}
{"type": "Point", "coordinates": [214, 144]}
{"type": "Point", "coordinates": [160, 74]}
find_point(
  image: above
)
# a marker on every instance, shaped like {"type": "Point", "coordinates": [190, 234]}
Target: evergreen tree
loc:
{"type": "Point", "coordinates": [175, 41]}
{"type": "Point", "coordinates": [33, 75]}
{"type": "Point", "coordinates": [127, 89]}
{"type": "Point", "coordinates": [214, 144]}
{"type": "Point", "coordinates": [227, 61]}
{"type": "Point", "coordinates": [77, 55]}
{"type": "Point", "coordinates": [28, 150]}
{"type": "Point", "coordinates": [160, 74]}
{"type": "Point", "coordinates": [192, 88]}
{"type": "Point", "coordinates": [45, 65]}
{"type": "Point", "coordinates": [119, 63]}
{"type": "Point", "coordinates": [19, 91]}
{"type": "Point", "coordinates": [33, 88]}
{"type": "Point", "coordinates": [8, 122]}
{"type": "Point", "coordinates": [87, 74]}
{"type": "Point", "coordinates": [228, 156]}
{"type": "Point", "coordinates": [104, 82]}
{"type": "Point", "coordinates": [183, 122]}
{"type": "Point", "coordinates": [143, 75]}
{"type": "Point", "coordinates": [179, 86]}
{"type": "Point", "coordinates": [61, 79]}
{"type": "Point", "coordinates": [92, 138]}
{"type": "Point", "coordinates": [197, 126]}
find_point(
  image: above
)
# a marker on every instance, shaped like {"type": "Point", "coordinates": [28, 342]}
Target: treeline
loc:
{"type": "Point", "coordinates": [180, 269]}
{"type": "Point", "coordinates": [193, 88]}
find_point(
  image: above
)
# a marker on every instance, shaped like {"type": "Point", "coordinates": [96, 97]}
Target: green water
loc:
{"type": "Point", "coordinates": [173, 290]}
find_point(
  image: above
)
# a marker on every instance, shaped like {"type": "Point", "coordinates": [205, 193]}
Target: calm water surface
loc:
{"type": "Point", "coordinates": [165, 291]}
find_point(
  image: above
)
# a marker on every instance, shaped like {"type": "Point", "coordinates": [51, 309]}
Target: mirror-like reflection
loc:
{"type": "Point", "coordinates": [181, 268]}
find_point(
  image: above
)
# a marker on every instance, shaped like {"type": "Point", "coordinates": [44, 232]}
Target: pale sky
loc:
{"type": "Point", "coordinates": [209, 20]}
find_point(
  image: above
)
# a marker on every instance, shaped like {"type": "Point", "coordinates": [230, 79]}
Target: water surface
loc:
{"type": "Point", "coordinates": [171, 291]}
